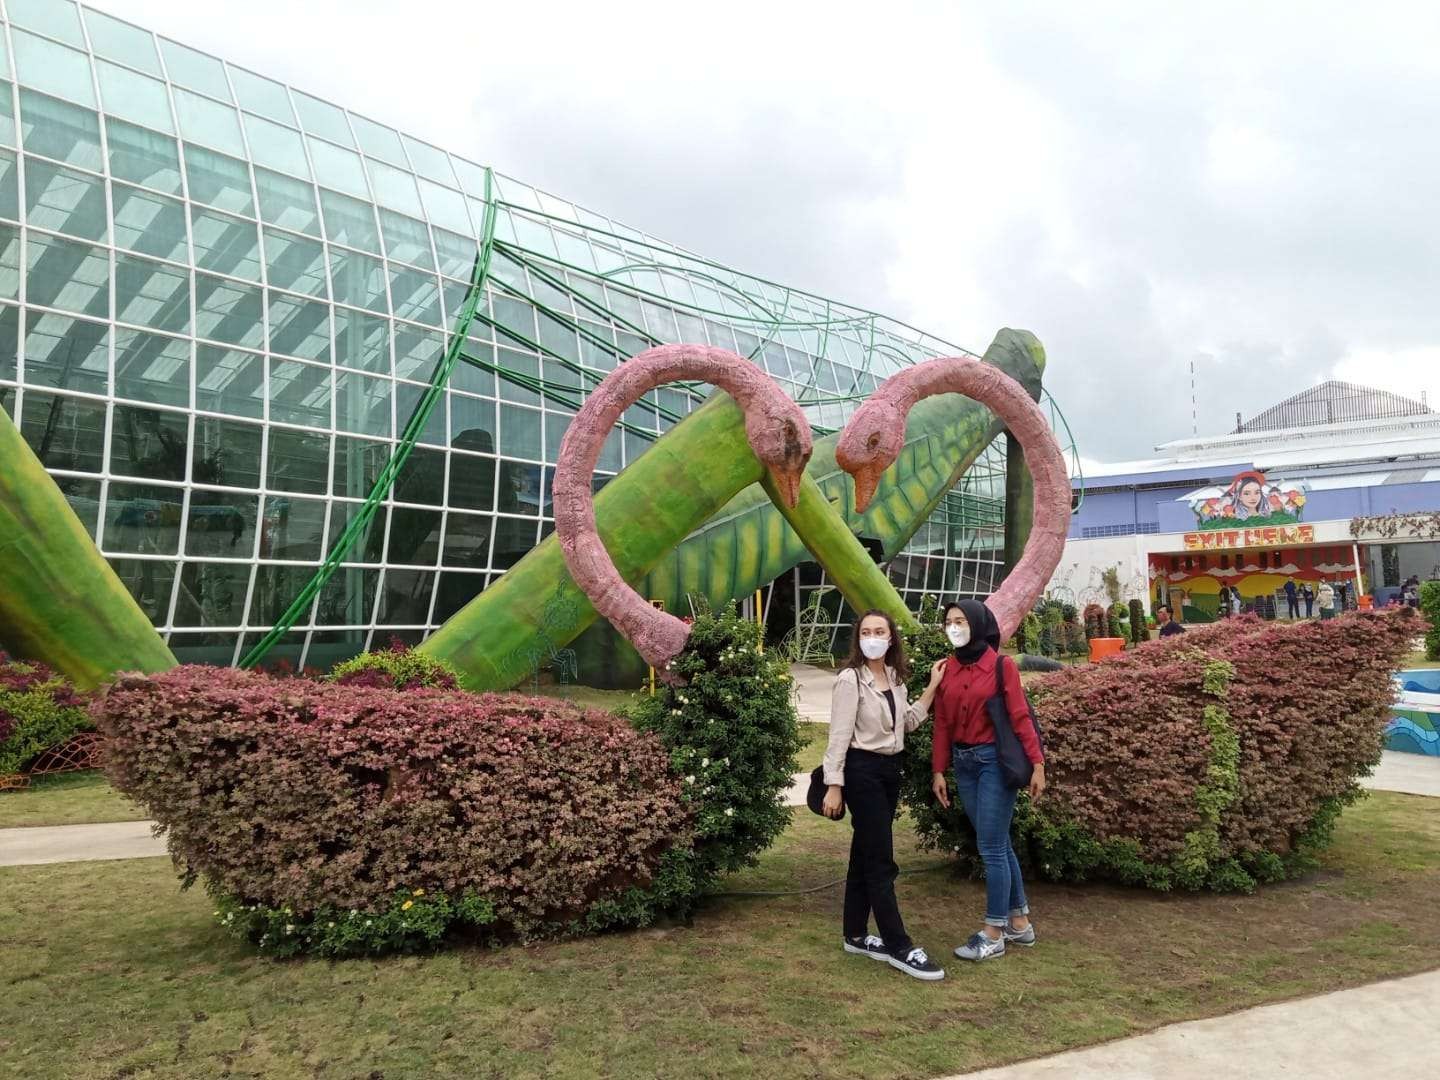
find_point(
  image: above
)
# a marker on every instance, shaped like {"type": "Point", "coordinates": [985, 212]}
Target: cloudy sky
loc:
{"type": "Point", "coordinates": [1249, 186]}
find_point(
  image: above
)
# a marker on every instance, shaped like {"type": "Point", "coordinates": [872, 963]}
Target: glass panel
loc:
{"type": "Point", "coordinates": [221, 523]}
{"type": "Point", "coordinates": [445, 208]}
{"type": "Point", "coordinates": [209, 122]}
{"type": "Point", "coordinates": [377, 140]}
{"type": "Point", "coordinates": [143, 156]}
{"type": "Point", "coordinates": [52, 68]}
{"type": "Point", "coordinates": [456, 254]}
{"type": "Point", "coordinates": [149, 443]}
{"type": "Point", "coordinates": [407, 400]}
{"type": "Point", "coordinates": [457, 590]}
{"type": "Point", "coordinates": [298, 461]}
{"type": "Point", "coordinates": [519, 432]}
{"type": "Point", "coordinates": [84, 498]}
{"type": "Point", "coordinates": [414, 540]}
{"type": "Point", "coordinates": [394, 188]}
{"type": "Point", "coordinates": [321, 118]}
{"type": "Point", "coordinates": [10, 261]}
{"type": "Point", "coordinates": [517, 493]}
{"type": "Point", "coordinates": [357, 279]}
{"type": "Point", "coordinates": [213, 593]}
{"type": "Point", "coordinates": [299, 327]}
{"type": "Point", "coordinates": [472, 177]}
{"type": "Point", "coordinates": [228, 381]}
{"type": "Point", "coordinates": [57, 18]}
{"type": "Point", "coordinates": [406, 239]}
{"type": "Point", "coordinates": [295, 262]}
{"type": "Point", "coordinates": [7, 113]}
{"type": "Point", "coordinates": [67, 353]}
{"type": "Point", "coordinates": [362, 404]}
{"type": "Point", "coordinates": [135, 97]}
{"type": "Point", "coordinates": [226, 452]}
{"type": "Point", "coordinates": [405, 594]}
{"type": "Point", "coordinates": [144, 519]}
{"type": "Point", "coordinates": [149, 223]}
{"type": "Point", "coordinates": [195, 70]}
{"type": "Point", "coordinates": [261, 95]}
{"type": "Point", "coordinates": [64, 200]}
{"type": "Point", "coordinates": [287, 202]}
{"type": "Point", "coordinates": [415, 296]}
{"type": "Point", "coordinates": [65, 432]}
{"type": "Point", "coordinates": [218, 180]}
{"type": "Point", "coordinates": [349, 221]}
{"type": "Point", "coordinates": [276, 146]}
{"type": "Point", "coordinates": [300, 393]}
{"type": "Point", "coordinates": [423, 478]}
{"type": "Point", "coordinates": [471, 377]}
{"type": "Point", "coordinates": [64, 274]}
{"type": "Point", "coordinates": [149, 580]}
{"type": "Point", "coordinates": [152, 368]}
{"type": "Point", "coordinates": [417, 350]}
{"type": "Point", "coordinates": [9, 351]}
{"type": "Point", "coordinates": [362, 341]}
{"type": "Point", "coordinates": [292, 528]}
{"type": "Point", "coordinates": [151, 294]}
{"type": "Point", "coordinates": [338, 168]}
{"type": "Point", "coordinates": [357, 463]}
{"type": "Point", "coordinates": [348, 598]}
{"type": "Point", "coordinates": [225, 244]}
{"type": "Point", "coordinates": [429, 161]}
{"type": "Point", "coordinates": [228, 311]}
{"type": "Point", "coordinates": [121, 41]}
{"type": "Point", "coordinates": [60, 130]}
{"type": "Point", "coordinates": [367, 544]}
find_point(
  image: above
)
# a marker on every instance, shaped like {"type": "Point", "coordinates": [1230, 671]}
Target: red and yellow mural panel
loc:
{"type": "Point", "coordinates": [1203, 569]}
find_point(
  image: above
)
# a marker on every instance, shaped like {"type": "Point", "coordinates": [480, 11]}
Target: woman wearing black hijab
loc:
{"type": "Point", "coordinates": [965, 742]}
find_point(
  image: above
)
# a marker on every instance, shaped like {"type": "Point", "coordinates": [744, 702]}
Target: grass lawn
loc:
{"type": "Point", "coordinates": [111, 972]}
{"type": "Point", "coordinates": [67, 799]}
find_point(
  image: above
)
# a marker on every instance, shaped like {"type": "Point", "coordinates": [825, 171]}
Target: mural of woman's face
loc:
{"type": "Point", "coordinates": [1250, 495]}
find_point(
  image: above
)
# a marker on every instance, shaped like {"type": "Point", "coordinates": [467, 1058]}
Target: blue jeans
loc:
{"type": "Point", "coordinates": [990, 805]}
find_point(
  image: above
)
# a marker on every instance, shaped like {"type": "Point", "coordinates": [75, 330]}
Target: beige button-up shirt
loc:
{"type": "Point", "coordinates": [860, 718]}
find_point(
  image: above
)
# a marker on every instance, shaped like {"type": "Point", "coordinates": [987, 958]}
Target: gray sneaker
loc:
{"type": "Point", "coordinates": [1024, 937]}
{"type": "Point", "coordinates": [981, 947]}
{"type": "Point", "coordinates": [869, 945]}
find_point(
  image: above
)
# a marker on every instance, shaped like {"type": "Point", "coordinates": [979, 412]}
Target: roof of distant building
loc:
{"type": "Point", "coordinates": [1333, 402]}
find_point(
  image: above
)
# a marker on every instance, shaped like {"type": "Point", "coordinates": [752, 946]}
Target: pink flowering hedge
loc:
{"type": "Point", "coordinates": [1219, 758]}
{"type": "Point", "coordinates": [313, 810]}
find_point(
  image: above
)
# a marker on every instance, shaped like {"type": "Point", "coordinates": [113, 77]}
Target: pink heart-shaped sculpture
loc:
{"type": "Point", "coordinates": [780, 437]}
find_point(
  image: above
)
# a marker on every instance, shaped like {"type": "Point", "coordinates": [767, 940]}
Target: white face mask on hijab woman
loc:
{"type": "Point", "coordinates": [958, 633]}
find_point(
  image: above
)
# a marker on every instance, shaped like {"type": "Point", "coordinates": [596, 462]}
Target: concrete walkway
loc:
{"type": "Point", "coordinates": [37, 844]}
{"type": "Point", "coordinates": [1410, 774]}
{"type": "Point", "coordinates": [1340, 1036]}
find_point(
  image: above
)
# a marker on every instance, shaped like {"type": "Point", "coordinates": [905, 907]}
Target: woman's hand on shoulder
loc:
{"type": "Point", "coordinates": [937, 672]}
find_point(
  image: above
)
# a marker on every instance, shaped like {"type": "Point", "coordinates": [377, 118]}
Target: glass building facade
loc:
{"type": "Point", "coordinates": [221, 299]}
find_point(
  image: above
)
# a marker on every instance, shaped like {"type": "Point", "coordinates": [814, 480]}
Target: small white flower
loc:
{"type": "Point", "coordinates": [689, 779]}
{"type": "Point", "coordinates": [727, 762]}
{"type": "Point", "coordinates": [729, 811]}
{"type": "Point", "coordinates": [331, 925]}
{"type": "Point", "coordinates": [704, 763]}
{"type": "Point", "coordinates": [289, 928]}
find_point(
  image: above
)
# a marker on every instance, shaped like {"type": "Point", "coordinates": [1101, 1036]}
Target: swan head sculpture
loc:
{"type": "Point", "coordinates": [869, 445]}
{"type": "Point", "coordinates": [779, 435]}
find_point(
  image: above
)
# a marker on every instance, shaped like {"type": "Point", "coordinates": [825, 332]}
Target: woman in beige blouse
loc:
{"type": "Point", "coordinates": [869, 717]}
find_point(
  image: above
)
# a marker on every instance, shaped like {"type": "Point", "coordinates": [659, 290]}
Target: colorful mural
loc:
{"type": "Point", "coordinates": [1414, 726]}
{"type": "Point", "coordinates": [1194, 579]}
{"type": "Point", "coordinates": [1252, 500]}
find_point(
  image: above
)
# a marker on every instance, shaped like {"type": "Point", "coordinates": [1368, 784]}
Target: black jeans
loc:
{"type": "Point", "coordinates": [872, 792]}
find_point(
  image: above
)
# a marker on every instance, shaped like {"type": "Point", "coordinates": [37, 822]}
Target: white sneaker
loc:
{"type": "Point", "coordinates": [869, 945]}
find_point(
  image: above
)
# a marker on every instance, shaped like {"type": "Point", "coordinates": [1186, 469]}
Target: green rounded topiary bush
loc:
{"type": "Point", "coordinates": [39, 710]}
{"type": "Point", "coordinates": [340, 819]}
{"type": "Point", "coordinates": [1216, 759]}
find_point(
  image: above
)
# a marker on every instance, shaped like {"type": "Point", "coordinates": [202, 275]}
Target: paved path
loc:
{"type": "Point", "coordinates": [1412, 774]}
{"type": "Point", "coordinates": [1349, 1034]}
{"type": "Point", "coordinates": [38, 844]}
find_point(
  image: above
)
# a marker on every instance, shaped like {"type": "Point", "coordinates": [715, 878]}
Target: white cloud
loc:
{"type": "Point", "coordinates": [1250, 186]}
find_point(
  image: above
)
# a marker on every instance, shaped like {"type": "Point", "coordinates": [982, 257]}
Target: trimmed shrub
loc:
{"type": "Point", "coordinates": [1115, 619]}
{"type": "Point", "coordinates": [38, 710]}
{"type": "Point", "coordinates": [348, 819]}
{"type": "Point", "coordinates": [732, 734]}
{"type": "Point", "coordinates": [1216, 759]}
{"type": "Point", "coordinates": [1139, 630]}
{"type": "Point", "coordinates": [1430, 607]}
{"type": "Point", "coordinates": [1096, 625]}
{"type": "Point", "coordinates": [397, 668]}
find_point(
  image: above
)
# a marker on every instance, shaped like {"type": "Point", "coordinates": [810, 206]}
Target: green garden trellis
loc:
{"type": "Point", "coordinates": [779, 317]}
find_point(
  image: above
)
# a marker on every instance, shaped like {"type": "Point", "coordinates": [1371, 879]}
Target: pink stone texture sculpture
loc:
{"type": "Point", "coordinates": [873, 438]}
{"type": "Point", "coordinates": [775, 426]}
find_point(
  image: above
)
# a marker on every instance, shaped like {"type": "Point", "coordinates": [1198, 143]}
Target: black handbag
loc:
{"type": "Point", "coordinates": [815, 797]}
{"type": "Point", "coordinates": [1015, 767]}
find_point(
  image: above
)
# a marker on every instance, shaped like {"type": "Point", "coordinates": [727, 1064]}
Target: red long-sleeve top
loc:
{"type": "Point", "coordinates": [960, 713]}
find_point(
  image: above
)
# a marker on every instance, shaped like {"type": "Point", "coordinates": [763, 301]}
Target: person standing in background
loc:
{"type": "Point", "coordinates": [1308, 593]}
{"type": "Point", "coordinates": [1292, 599]}
{"type": "Point", "coordinates": [1327, 600]}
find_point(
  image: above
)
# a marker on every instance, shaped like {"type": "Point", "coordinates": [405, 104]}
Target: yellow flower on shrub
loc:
{"type": "Point", "coordinates": [407, 905]}
{"type": "Point", "coordinates": [418, 892]}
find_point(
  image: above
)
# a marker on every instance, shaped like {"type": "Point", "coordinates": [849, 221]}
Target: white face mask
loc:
{"type": "Point", "coordinates": [874, 647]}
{"type": "Point", "coordinates": [959, 634]}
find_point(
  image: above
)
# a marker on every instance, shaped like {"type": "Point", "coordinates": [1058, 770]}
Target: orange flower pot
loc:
{"type": "Point", "coordinates": [1102, 647]}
